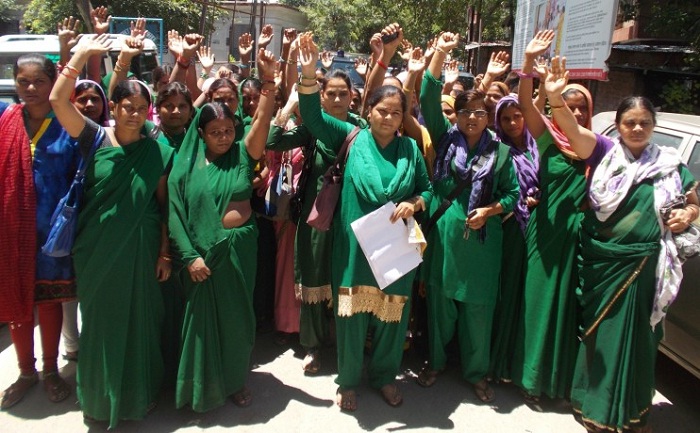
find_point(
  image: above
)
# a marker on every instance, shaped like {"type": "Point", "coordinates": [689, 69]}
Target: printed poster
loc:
{"type": "Point", "coordinates": [582, 33]}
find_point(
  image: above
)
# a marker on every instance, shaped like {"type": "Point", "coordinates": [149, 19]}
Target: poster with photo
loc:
{"type": "Point", "coordinates": [582, 33]}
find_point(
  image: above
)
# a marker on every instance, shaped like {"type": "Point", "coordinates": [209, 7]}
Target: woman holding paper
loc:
{"type": "Point", "coordinates": [463, 258]}
{"type": "Point", "coordinates": [381, 167]}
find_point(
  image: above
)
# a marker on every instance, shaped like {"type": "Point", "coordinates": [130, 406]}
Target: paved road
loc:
{"type": "Point", "coordinates": [287, 401]}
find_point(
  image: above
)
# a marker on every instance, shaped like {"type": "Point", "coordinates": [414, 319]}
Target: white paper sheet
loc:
{"type": "Point", "coordinates": [386, 245]}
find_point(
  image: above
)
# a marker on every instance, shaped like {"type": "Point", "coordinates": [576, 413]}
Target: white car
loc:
{"type": "Point", "coordinates": [681, 340]}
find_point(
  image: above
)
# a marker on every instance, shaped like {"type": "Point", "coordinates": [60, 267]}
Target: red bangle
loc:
{"type": "Point", "coordinates": [382, 64]}
{"type": "Point", "coordinates": [73, 69]}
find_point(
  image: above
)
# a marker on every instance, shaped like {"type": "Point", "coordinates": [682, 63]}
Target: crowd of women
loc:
{"type": "Point", "coordinates": [548, 261]}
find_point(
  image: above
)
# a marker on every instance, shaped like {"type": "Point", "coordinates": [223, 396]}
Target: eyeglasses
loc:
{"type": "Point", "coordinates": [476, 113]}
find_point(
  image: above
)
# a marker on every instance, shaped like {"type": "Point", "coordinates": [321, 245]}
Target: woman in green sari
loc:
{"type": "Point", "coordinates": [629, 267]}
{"type": "Point", "coordinates": [121, 250]}
{"type": "Point", "coordinates": [214, 233]}
{"type": "Point", "coordinates": [381, 167]}
{"type": "Point", "coordinates": [546, 343]}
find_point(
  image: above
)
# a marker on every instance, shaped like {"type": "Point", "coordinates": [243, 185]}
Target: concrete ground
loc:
{"type": "Point", "coordinates": [287, 401]}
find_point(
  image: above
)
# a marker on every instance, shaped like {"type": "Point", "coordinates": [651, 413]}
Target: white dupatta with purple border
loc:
{"type": "Point", "coordinates": [617, 172]}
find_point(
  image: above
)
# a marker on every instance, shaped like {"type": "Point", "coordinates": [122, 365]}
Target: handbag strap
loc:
{"type": "Point", "coordinates": [344, 151]}
{"type": "Point", "coordinates": [457, 190]}
{"type": "Point", "coordinates": [446, 203]}
{"type": "Point", "coordinates": [84, 162]}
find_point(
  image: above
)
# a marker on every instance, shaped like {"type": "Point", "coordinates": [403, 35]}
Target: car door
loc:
{"type": "Point", "coordinates": [681, 340]}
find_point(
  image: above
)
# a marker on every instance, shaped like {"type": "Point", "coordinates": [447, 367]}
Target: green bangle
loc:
{"type": "Point", "coordinates": [204, 75]}
{"type": "Point", "coordinates": [242, 66]}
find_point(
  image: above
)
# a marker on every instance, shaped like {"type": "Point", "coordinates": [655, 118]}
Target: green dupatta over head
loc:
{"type": "Point", "coordinates": [195, 222]}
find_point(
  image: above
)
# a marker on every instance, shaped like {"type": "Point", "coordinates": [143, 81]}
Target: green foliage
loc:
{"type": "Point", "coordinates": [681, 96]}
{"type": "Point", "coordinates": [7, 9]}
{"type": "Point", "coordinates": [182, 15]}
{"type": "Point", "coordinates": [349, 24]}
{"type": "Point", "coordinates": [628, 10]}
{"type": "Point", "coordinates": [680, 20]}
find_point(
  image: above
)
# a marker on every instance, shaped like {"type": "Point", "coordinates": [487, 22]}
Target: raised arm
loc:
{"type": "Point", "coordinates": [329, 130]}
{"type": "Point", "coordinates": [184, 70]}
{"type": "Point", "coordinates": [388, 49]}
{"type": "Point", "coordinates": [431, 89]}
{"type": "Point", "coordinates": [100, 22]}
{"type": "Point", "coordinates": [68, 37]}
{"type": "Point", "coordinates": [451, 75]}
{"type": "Point", "coordinates": [533, 119]}
{"type": "Point", "coordinates": [131, 47]}
{"type": "Point", "coordinates": [292, 75]}
{"type": "Point", "coordinates": [245, 47]}
{"type": "Point", "coordinates": [67, 114]}
{"type": "Point", "coordinates": [498, 65]}
{"type": "Point", "coordinates": [206, 59]}
{"type": "Point", "coordinates": [260, 126]}
{"type": "Point", "coordinates": [581, 139]}
{"type": "Point", "coordinates": [444, 44]}
{"type": "Point", "coordinates": [288, 36]}
{"type": "Point", "coordinates": [416, 66]}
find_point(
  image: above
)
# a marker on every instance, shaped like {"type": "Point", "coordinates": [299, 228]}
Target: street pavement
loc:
{"type": "Point", "coordinates": [284, 400]}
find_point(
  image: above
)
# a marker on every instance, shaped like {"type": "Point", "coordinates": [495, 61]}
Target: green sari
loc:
{"type": "Point", "coordinates": [545, 347]}
{"type": "Point", "coordinates": [115, 255]}
{"type": "Point", "coordinates": [219, 324]}
{"type": "Point", "coordinates": [613, 382]}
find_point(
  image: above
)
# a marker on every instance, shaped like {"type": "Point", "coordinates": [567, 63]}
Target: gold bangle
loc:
{"type": "Point", "coordinates": [304, 77]}
{"type": "Point", "coordinates": [307, 85]}
{"type": "Point", "coordinates": [405, 90]}
{"type": "Point", "coordinates": [165, 258]}
{"type": "Point", "coordinates": [554, 107]}
{"type": "Point", "coordinates": [441, 50]}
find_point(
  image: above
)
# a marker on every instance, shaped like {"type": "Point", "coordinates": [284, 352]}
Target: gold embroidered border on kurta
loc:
{"type": "Point", "coordinates": [368, 299]}
{"type": "Point", "coordinates": [313, 295]}
{"type": "Point", "coordinates": [611, 302]}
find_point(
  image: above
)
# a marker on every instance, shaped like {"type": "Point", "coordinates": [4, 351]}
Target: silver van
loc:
{"type": "Point", "coordinates": [13, 46]}
{"type": "Point", "coordinates": [681, 340]}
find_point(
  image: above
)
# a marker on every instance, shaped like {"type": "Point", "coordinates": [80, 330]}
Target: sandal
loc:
{"type": "Point", "coordinates": [483, 391]}
{"type": "Point", "coordinates": [391, 394]}
{"type": "Point", "coordinates": [346, 399]}
{"type": "Point", "coordinates": [312, 362]}
{"type": "Point", "coordinates": [531, 400]}
{"type": "Point", "coordinates": [427, 377]}
{"type": "Point", "coordinates": [12, 395]}
{"type": "Point", "coordinates": [71, 356]}
{"type": "Point", "coordinates": [242, 398]}
{"type": "Point", "coordinates": [57, 388]}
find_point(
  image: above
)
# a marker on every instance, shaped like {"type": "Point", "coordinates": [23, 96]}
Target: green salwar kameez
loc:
{"type": "Point", "coordinates": [373, 176]}
{"type": "Point", "coordinates": [218, 330]}
{"type": "Point", "coordinates": [546, 341]}
{"type": "Point", "coordinates": [462, 276]}
{"type": "Point", "coordinates": [115, 255]}
{"type": "Point", "coordinates": [613, 382]}
{"type": "Point", "coordinates": [313, 248]}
